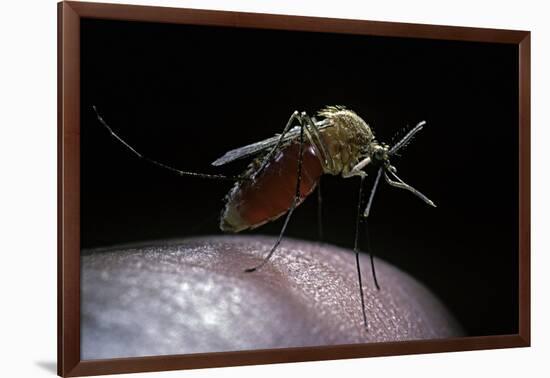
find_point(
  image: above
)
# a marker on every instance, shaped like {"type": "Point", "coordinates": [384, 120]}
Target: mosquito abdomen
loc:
{"type": "Point", "coordinates": [255, 201]}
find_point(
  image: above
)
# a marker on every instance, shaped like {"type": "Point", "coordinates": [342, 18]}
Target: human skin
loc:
{"type": "Point", "coordinates": [193, 296]}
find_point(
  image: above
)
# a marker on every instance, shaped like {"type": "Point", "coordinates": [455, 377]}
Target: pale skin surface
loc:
{"type": "Point", "coordinates": [192, 296]}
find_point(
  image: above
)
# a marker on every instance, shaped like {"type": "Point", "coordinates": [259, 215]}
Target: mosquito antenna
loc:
{"type": "Point", "coordinates": [356, 250]}
{"type": "Point", "coordinates": [402, 185]}
{"type": "Point", "coordinates": [399, 134]}
{"type": "Point", "coordinates": [407, 138]}
{"type": "Point", "coordinates": [155, 162]}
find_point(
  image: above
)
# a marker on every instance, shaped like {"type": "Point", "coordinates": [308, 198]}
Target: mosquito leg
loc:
{"type": "Point", "coordinates": [267, 158]}
{"type": "Point", "coordinates": [402, 185]}
{"type": "Point", "coordinates": [365, 217]}
{"type": "Point", "coordinates": [371, 255]}
{"type": "Point", "coordinates": [292, 206]}
{"type": "Point", "coordinates": [319, 210]}
{"type": "Point", "coordinates": [357, 169]}
{"type": "Point", "coordinates": [356, 250]}
{"type": "Point", "coordinates": [157, 163]}
{"type": "Point", "coordinates": [319, 143]}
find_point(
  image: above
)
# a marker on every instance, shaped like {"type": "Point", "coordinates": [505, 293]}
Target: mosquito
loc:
{"type": "Point", "coordinates": [287, 168]}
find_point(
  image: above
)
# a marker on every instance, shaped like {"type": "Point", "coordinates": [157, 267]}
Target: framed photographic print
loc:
{"type": "Point", "coordinates": [239, 188]}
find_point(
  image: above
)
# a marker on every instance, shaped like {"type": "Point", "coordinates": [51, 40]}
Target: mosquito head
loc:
{"type": "Point", "coordinates": [380, 155]}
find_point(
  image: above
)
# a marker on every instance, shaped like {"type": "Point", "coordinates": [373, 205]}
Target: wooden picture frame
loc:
{"type": "Point", "coordinates": [70, 15]}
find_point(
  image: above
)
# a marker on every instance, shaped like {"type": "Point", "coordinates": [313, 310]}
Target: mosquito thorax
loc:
{"type": "Point", "coordinates": [347, 140]}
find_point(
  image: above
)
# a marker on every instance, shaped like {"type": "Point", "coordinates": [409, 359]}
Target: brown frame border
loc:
{"type": "Point", "coordinates": [69, 15]}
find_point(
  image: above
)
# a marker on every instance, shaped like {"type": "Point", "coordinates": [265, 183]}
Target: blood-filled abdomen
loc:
{"type": "Point", "coordinates": [254, 201]}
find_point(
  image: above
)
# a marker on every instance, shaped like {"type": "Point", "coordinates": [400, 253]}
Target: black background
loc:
{"type": "Point", "coordinates": [184, 95]}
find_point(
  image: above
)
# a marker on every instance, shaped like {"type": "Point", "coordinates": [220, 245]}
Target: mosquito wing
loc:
{"type": "Point", "coordinates": [255, 148]}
